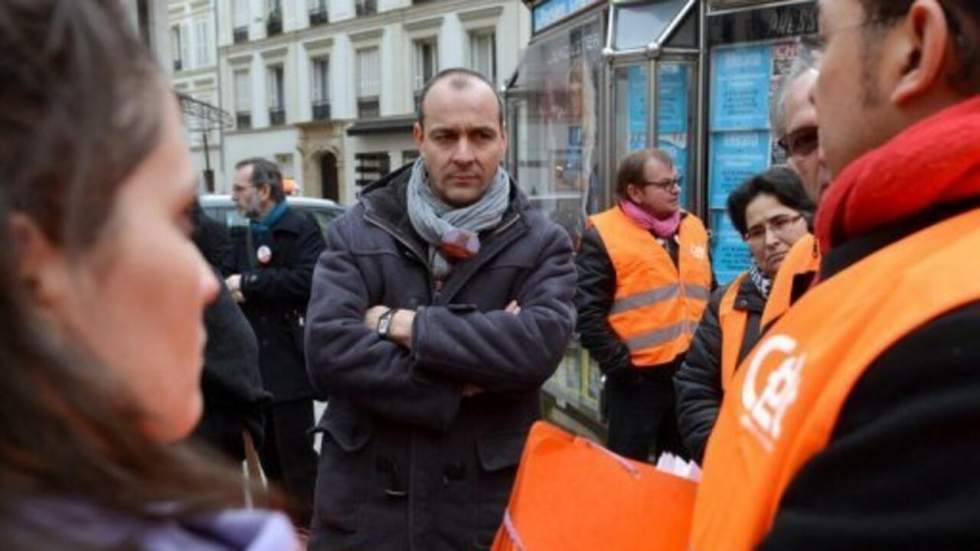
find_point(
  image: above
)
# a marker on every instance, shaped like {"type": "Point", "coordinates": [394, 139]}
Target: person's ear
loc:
{"type": "Point", "coordinates": [41, 267]}
{"type": "Point", "coordinates": [922, 47]}
{"type": "Point", "coordinates": [418, 134]}
{"type": "Point", "coordinates": [634, 193]}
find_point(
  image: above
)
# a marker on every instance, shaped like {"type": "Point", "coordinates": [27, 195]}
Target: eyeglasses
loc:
{"type": "Point", "coordinates": [665, 185]}
{"type": "Point", "coordinates": [779, 225]}
{"type": "Point", "coordinates": [800, 142]}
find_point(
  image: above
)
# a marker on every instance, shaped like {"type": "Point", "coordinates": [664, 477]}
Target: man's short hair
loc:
{"type": "Point", "coordinates": [805, 62]}
{"type": "Point", "coordinates": [963, 17]}
{"type": "Point", "coordinates": [631, 168]}
{"type": "Point", "coordinates": [781, 182]}
{"type": "Point", "coordinates": [461, 78]}
{"type": "Point", "coordinates": [265, 173]}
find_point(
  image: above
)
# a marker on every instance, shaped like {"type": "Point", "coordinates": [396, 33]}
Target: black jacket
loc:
{"type": "Point", "coordinates": [900, 470]}
{"type": "Point", "coordinates": [276, 295]}
{"type": "Point", "coordinates": [407, 462]}
{"type": "Point", "coordinates": [698, 381]}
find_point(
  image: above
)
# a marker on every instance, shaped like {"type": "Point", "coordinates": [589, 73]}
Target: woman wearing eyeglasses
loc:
{"type": "Point", "coordinates": [772, 212]}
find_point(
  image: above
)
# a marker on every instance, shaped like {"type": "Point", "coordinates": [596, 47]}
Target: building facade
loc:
{"type": "Point", "coordinates": [327, 88]}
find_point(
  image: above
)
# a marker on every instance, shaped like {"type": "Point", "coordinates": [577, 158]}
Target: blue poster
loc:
{"type": "Point", "coordinates": [636, 101]}
{"type": "Point", "coordinates": [740, 88]}
{"type": "Point", "coordinates": [735, 157]}
{"type": "Point", "coordinates": [672, 95]}
{"type": "Point", "coordinates": [676, 146]}
{"type": "Point", "coordinates": [551, 11]}
{"type": "Point", "coordinates": [730, 255]}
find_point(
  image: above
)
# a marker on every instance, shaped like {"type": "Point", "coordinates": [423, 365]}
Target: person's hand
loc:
{"type": "Point", "coordinates": [471, 390]}
{"type": "Point", "coordinates": [373, 314]}
{"type": "Point", "coordinates": [513, 308]}
{"type": "Point", "coordinates": [234, 284]}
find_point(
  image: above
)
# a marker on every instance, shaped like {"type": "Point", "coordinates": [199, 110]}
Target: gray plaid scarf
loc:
{"type": "Point", "coordinates": [762, 283]}
{"type": "Point", "coordinates": [452, 233]}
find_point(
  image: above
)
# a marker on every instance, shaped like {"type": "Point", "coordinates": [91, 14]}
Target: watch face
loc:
{"type": "Point", "coordinates": [384, 322]}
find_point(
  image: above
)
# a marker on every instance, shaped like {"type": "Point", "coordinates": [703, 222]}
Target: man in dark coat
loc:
{"type": "Point", "coordinates": [230, 381]}
{"type": "Point", "coordinates": [273, 269]}
{"type": "Point", "coordinates": [441, 305]}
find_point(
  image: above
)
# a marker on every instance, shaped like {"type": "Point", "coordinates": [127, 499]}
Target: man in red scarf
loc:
{"type": "Point", "coordinates": [855, 421]}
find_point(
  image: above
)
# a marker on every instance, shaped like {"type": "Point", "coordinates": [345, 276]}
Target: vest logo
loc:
{"type": "Point", "coordinates": [764, 412]}
{"type": "Point", "coordinates": [699, 252]}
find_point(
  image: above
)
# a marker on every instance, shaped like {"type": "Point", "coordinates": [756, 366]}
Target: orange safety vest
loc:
{"type": "Point", "coordinates": [657, 305]}
{"type": "Point", "coordinates": [732, 323]}
{"type": "Point", "coordinates": [803, 257]}
{"type": "Point", "coordinates": [787, 395]}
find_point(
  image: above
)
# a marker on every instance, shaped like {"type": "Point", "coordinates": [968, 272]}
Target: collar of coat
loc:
{"type": "Point", "coordinates": [387, 199]}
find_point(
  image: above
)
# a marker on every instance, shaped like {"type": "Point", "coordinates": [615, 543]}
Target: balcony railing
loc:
{"type": "Point", "coordinates": [243, 120]}
{"type": "Point", "coordinates": [178, 65]}
{"type": "Point", "coordinates": [273, 23]}
{"type": "Point", "coordinates": [277, 117]}
{"type": "Point", "coordinates": [321, 110]}
{"type": "Point", "coordinates": [240, 35]}
{"type": "Point", "coordinates": [368, 108]}
{"type": "Point", "coordinates": [319, 17]}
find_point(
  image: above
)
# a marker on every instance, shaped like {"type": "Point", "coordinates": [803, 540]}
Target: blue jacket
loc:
{"type": "Point", "coordinates": [407, 462]}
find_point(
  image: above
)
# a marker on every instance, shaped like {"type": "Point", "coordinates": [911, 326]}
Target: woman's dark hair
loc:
{"type": "Point", "coordinates": [265, 173]}
{"type": "Point", "coordinates": [781, 182]}
{"type": "Point", "coordinates": [632, 166]}
{"type": "Point", "coordinates": [79, 110]}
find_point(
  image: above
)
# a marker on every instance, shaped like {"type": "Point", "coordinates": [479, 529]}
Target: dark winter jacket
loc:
{"type": "Point", "coordinates": [230, 381]}
{"type": "Point", "coordinates": [899, 471]}
{"type": "Point", "coordinates": [276, 295]}
{"type": "Point", "coordinates": [407, 462]}
{"type": "Point", "coordinates": [698, 381]}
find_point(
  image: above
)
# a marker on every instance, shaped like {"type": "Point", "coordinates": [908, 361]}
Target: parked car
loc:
{"type": "Point", "coordinates": [222, 209]}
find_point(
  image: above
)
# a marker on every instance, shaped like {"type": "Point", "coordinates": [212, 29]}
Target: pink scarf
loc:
{"type": "Point", "coordinates": [662, 228]}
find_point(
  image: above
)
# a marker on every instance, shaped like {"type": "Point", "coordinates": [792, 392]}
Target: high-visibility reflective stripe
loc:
{"type": "Point", "coordinates": [658, 337]}
{"type": "Point", "coordinates": [647, 298]}
{"type": "Point", "coordinates": [697, 292]}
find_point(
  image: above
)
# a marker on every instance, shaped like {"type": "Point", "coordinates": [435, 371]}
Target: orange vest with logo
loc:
{"type": "Point", "coordinates": [787, 395]}
{"type": "Point", "coordinates": [657, 305]}
{"type": "Point", "coordinates": [732, 323]}
{"type": "Point", "coordinates": [803, 257]}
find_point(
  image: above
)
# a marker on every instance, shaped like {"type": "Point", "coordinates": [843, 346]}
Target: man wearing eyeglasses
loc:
{"type": "Point", "coordinates": [644, 279]}
{"type": "Point", "coordinates": [854, 420]}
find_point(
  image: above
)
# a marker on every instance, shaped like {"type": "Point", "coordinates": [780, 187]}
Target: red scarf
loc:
{"type": "Point", "coordinates": [932, 163]}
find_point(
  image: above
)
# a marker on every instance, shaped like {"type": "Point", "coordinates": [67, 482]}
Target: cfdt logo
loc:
{"type": "Point", "coordinates": [764, 409]}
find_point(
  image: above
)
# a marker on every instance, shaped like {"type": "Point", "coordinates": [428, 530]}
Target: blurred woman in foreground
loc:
{"type": "Point", "coordinates": [101, 299]}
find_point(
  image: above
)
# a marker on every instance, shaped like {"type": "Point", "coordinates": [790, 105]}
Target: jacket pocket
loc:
{"type": "Point", "coordinates": [343, 474]}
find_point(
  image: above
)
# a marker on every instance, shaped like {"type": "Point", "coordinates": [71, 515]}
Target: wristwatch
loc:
{"type": "Point", "coordinates": [384, 323]}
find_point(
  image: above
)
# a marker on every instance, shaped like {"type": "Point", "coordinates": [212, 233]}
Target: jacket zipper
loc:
{"type": "Point", "coordinates": [408, 245]}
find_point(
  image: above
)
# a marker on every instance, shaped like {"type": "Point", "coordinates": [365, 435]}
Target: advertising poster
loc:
{"type": "Point", "coordinates": [730, 255]}
{"type": "Point", "coordinates": [740, 88]}
{"type": "Point", "coordinates": [735, 157]}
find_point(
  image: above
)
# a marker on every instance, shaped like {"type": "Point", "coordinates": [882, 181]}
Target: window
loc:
{"type": "Point", "coordinates": [285, 162]}
{"type": "Point", "coordinates": [368, 83]}
{"type": "Point", "coordinates": [240, 20]}
{"type": "Point", "coordinates": [369, 167]}
{"type": "Point", "coordinates": [365, 7]}
{"type": "Point", "coordinates": [318, 12]}
{"type": "Point", "coordinates": [321, 89]}
{"type": "Point", "coordinates": [409, 156]}
{"type": "Point", "coordinates": [276, 95]}
{"type": "Point", "coordinates": [202, 37]}
{"type": "Point", "coordinates": [273, 18]}
{"type": "Point", "coordinates": [483, 53]}
{"type": "Point", "coordinates": [425, 64]}
{"type": "Point", "coordinates": [175, 46]}
{"type": "Point", "coordinates": [243, 99]}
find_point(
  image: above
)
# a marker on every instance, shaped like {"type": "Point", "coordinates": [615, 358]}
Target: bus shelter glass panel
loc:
{"type": "Point", "coordinates": [675, 122]}
{"type": "Point", "coordinates": [632, 115]}
{"type": "Point", "coordinates": [638, 25]}
{"type": "Point", "coordinates": [557, 150]}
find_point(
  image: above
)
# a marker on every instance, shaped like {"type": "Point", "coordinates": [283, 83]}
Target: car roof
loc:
{"type": "Point", "coordinates": [216, 199]}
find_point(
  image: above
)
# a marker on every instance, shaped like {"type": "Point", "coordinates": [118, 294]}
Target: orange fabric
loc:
{"type": "Point", "coordinates": [732, 323]}
{"type": "Point", "coordinates": [573, 495]}
{"type": "Point", "coordinates": [657, 305]}
{"type": "Point", "coordinates": [786, 397]}
{"type": "Point", "coordinates": [803, 257]}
